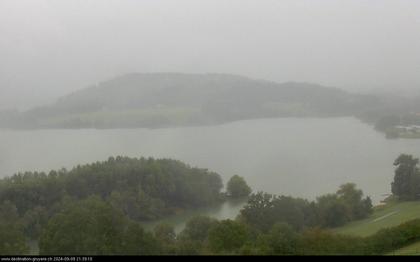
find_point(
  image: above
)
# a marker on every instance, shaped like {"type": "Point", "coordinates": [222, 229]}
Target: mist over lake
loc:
{"type": "Point", "coordinates": [303, 157]}
{"type": "Point", "coordinates": [202, 127]}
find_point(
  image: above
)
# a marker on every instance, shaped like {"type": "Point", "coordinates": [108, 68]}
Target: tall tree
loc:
{"type": "Point", "coordinates": [406, 184]}
{"type": "Point", "coordinates": [331, 211]}
{"type": "Point", "coordinates": [282, 239]}
{"type": "Point", "coordinates": [228, 236]}
{"type": "Point", "coordinates": [12, 239]}
{"type": "Point", "coordinates": [166, 236]}
{"type": "Point", "coordinates": [353, 198]}
{"type": "Point", "coordinates": [89, 227]}
{"type": "Point", "coordinates": [137, 242]}
{"type": "Point", "coordinates": [237, 187]}
{"type": "Point", "coordinates": [197, 228]}
{"type": "Point", "coordinates": [263, 210]}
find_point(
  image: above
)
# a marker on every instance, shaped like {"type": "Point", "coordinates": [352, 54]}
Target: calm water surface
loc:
{"type": "Point", "coordinates": [291, 156]}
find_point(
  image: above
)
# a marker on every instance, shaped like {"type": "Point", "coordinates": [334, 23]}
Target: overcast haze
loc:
{"type": "Point", "coordinates": [50, 48]}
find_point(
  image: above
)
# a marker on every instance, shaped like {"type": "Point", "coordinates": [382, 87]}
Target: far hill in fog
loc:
{"type": "Point", "coordinates": [174, 99]}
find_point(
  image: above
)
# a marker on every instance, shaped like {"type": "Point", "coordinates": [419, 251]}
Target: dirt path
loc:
{"type": "Point", "coordinates": [385, 216]}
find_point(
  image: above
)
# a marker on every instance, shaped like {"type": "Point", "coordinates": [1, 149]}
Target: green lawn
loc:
{"type": "Point", "coordinates": [390, 215]}
{"type": "Point", "coordinates": [410, 250]}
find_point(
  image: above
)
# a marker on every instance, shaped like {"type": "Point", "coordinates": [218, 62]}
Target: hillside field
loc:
{"type": "Point", "coordinates": [390, 215]}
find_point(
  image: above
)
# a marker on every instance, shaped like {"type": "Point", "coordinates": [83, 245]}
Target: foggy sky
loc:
{"type": "Point", "coordinates": [51, 47]}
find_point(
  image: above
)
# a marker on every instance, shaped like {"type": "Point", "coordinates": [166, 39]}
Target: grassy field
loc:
{"type": "Point", "coordinates": [390, 215]}
{"type": "Point", "coordinates": [410, 250]}
{"type": "Point", "coordinates": [410, 135]}
{"type": "Point", "coordinates": [149, 117]}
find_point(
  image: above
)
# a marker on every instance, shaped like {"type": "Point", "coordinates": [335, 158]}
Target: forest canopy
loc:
{"type": "Point", "coordinates": [143, 189]}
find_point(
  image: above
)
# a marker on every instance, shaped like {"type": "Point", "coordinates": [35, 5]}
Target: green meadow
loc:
{"type": "Point", "coordinates": [390, 215]}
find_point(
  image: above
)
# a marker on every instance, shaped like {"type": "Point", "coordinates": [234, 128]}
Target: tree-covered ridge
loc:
{"type": "Point", "coordinates": [154, 100]}
{"type": "Point", "coordinates": [142, 188]}
{"type": "Point", "coordinates": [174, 99]}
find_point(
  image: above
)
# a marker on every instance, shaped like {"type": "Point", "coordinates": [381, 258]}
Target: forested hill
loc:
{"type": "Point", "coordinates": [173, 99]}
{"type": "Point", "coordinates": [144, 188]}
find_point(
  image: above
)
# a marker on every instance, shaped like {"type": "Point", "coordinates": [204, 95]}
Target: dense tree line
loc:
{"type": "Point", "coordinates": [94, 227]}
{"type": "Point", "coordinates": [71, 221]}
{"type": "Point", "coordinates": [142, 189]}
{"type": "Point", "coordinates": [95, 209]}
{"type": "Point", "coordinates": [12, 237]}
{"type": "Point", "coordinates": [347, 204]}
{"type": "Point", "coordinates": [267, 225]}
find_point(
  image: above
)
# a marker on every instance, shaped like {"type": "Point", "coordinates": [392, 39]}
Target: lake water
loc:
{"type": "Point", "coordinates": [290, 156]}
